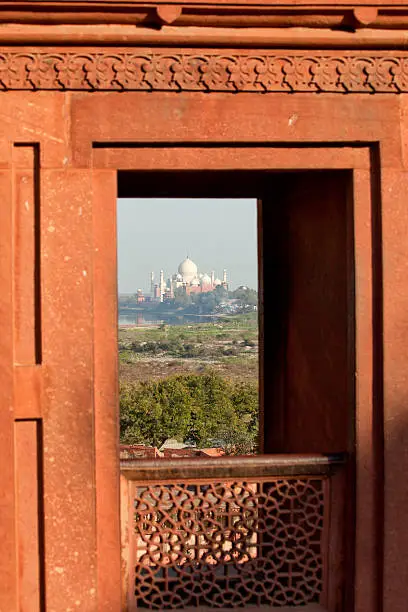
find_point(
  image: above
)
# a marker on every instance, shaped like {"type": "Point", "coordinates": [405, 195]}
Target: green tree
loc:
{"type": "Point", "coordinates": [154, 411]}
{"type": "Point", "coordinates": [205, 409]}
{"type": "Point", "coordinates": [181, 298]}
{"type": "Point", "coordinates": [247, 297]}
{"type": "Point", "coordinates": [220, 293]}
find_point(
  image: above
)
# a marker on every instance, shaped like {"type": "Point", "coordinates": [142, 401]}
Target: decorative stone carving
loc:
{"type": "Point", "coordinates": [205, 71]}
{"type": "Point", "coordinates": [168, 13]}
{"type": "Point", "coordinates": [365, 15]}
{"type": "Point", "coordinates": [244, 544]}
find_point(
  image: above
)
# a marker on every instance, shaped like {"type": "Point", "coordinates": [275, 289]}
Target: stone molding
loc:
{"type": "Point", "coordinates": [320, 14]}
{"type": "Point", "coordinates": [204, 71]}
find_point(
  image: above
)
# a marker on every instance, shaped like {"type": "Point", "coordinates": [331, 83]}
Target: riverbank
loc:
{"type": "Point", "coordinates": [143, 318]}
{"type": "Point", "coordinates": [228, 346]}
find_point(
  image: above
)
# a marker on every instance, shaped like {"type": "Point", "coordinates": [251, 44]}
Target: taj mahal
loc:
{"type": "Point", "coordinates": [189, 278]}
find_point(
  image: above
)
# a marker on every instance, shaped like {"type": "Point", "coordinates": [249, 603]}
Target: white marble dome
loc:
{"type": "Point", "coordinates": [188, 270]}
{"type": "Point", "coordinates": [217, 282]}
{"type": "Point", "coordinates": [206, 280]}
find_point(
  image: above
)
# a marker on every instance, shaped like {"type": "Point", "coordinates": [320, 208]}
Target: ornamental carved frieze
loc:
{"type": "Point", "coordinates": [205, 71]}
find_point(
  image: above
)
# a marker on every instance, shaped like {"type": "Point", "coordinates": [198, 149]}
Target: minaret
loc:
{"type": "Point", "coordinates": [162, 288]}
{"type": "Point", "coordinates": [152, 283]}
{"type": "Point", "coordinates": [224, 277]}
{"type": "Point", "coordinates": [212, 279]}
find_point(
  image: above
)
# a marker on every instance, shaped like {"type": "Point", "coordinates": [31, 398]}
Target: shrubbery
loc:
{"type": "Point", "coordinates": [206, 409]}
{"type": "Point", "coordinates": [187, 350]}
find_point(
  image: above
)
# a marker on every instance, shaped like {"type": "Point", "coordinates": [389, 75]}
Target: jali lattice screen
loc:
{"type": "Point", "coordinates": [229, 544]}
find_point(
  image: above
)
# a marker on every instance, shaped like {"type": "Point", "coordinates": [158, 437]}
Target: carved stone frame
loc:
{"type": "Point", "coordinates": [143, 153]}
{"type": "Point", "coordinates": [86, 93]}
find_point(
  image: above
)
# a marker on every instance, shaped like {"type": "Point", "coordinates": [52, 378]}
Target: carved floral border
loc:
{"type": "Point", "coordinates": [204, 71]}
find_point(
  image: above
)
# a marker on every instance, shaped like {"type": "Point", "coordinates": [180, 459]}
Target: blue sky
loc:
{"type": "Point", "coordinates": [159, 233]}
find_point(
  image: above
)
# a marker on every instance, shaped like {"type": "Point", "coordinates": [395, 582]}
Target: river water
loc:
{"type": "Point", "coordinates": [146, 319]}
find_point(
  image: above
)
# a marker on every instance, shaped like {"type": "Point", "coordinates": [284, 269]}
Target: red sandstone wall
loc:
{"type": "Point", "coordinates": [67, 380]}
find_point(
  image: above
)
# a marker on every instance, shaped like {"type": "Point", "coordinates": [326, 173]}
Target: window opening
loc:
{"type": "Point", "coordinates": [188, 327]}
{"type": "Point", "coordinates": [254, 531]}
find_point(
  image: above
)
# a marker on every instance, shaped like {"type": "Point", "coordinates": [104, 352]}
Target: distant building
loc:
{"type": "Point", "coordinates": [130, 452]}
{"type": "Point", "coordinates": [169, 450]}
{"type": "Point", "coordinates": [187, 277]}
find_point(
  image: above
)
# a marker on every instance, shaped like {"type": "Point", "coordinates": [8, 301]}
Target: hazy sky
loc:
{"type": "Point", "coordinates": [160, 233]}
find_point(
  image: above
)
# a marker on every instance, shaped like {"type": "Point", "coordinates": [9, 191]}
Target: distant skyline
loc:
{"type": "Point", "coordinates": [159, 233]}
